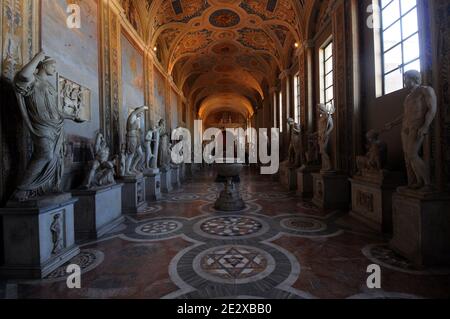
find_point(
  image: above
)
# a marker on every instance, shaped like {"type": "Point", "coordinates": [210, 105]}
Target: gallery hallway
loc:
{"type": "Point", "coordinates": [278, 247]}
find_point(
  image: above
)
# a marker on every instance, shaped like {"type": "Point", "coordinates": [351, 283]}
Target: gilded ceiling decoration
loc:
{"type": "Point", "coordinates": [232, 46]}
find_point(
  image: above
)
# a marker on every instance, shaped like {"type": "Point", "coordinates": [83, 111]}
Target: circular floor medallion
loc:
{"type": "Point", "coordinates": [302, 224]}
{"type": "Point", "coordinates": [184, 197]}
{"type": "Point", "coordinates": [234, 264]}
{"type": "Point", "coordinates": [232, 227]}
{"type": "Point", "coordinates": [160, 227]}
{"type": "Point", "coordinates": [87, 259]}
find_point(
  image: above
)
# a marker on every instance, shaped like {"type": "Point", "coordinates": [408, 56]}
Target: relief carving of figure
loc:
{"type": "Point", "coordinates": [420, 108]}
{"type": "Point", "coordinates": [326, 126]}
{"type": "Point", "coordinates": [38, 103]}
{"type": "Point", "coordinates": [101, 172]}
{"type": "Point", "coordinates": [57, 240]}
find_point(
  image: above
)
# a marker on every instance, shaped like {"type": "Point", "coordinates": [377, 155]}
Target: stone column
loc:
{"type": "Point", "coordinates": [110, 51]}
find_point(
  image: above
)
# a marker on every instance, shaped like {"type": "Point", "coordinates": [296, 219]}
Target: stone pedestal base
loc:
{"type": "Point", "coordinates": [372, 200]}
{"type": "Point", "coordinates": [230, 199]}
{"type": "Point", "coordinates": [133, 194]}
{"type": "Point", "coordinates": [153, 185]}
{"type": "Point", "coordinates": [38, 236]}
{"type": "Point", "coordinates": [305, 187]}
{"type": "Point", "coordinates": [97, 211]}
{"type": "Point", "coordinates": [288, 177]}
{"type": "Point", "coordinates": [175, 176]}
{"type": "Point", "coordinates": [166, 180]}
{"type": "Point", "coordinates": [331, 190]}
{"type": "Point", "coordinates": [183, 172]}
{"type": "Point", "coordinates": [421, 228]}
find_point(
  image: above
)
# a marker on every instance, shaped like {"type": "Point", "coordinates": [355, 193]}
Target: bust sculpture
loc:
{"type": "Point", "coordinates": [38, 104]}
{"type": "Point", "coordinates": [326, 126]}
{"type": "Point", "coordinates": [295, 146]}
{"type": "Point", "coordinates": [135, 154]}
{"type": "Point", "coordinates": [375, 158]}
{"type": "Point", "coordinates": [420, 108]}
{"type": "Point", "coordinates": [101, 171]}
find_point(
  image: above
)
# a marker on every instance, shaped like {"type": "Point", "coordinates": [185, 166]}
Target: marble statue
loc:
{"type": "Point", "coordinates": [326, 126]}
{"type": "Point", "coordinates": [295, 146]}
{"type": "Point", "coordinates": [164, 145]}
{"type": "Point", "coordinates": [376, 155]}
{"type": "Point", "coordinates": [151, 148]}
{"type": "Point", "coordinates": [135, 154]}
{"type": "Point", "coordinates": [101, 172]}
{"type": "Point", "coordinates": [121, 161]}
{"type": "Point", "coordinates": [420, 108]}
{"type": "Point", "coordinates": [38, 103]}
{"type": "Point", "coordinates": [55, 229]}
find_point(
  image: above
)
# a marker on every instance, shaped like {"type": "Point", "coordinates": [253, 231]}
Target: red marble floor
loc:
{"type": "Point", "coordinates": [278, 247]}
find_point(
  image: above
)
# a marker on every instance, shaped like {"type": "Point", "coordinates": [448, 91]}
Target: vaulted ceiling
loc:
{"type": "Point", "coordinates": [223, 54]}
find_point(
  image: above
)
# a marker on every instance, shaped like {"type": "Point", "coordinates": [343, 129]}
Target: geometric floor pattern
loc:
{"type": "Point", "coordinates": [279, 246]}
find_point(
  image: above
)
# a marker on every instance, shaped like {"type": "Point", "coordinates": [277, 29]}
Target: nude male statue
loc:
{"type": "Point", "coordinates": [295, 146]}
{"type": "Point", "coordinates": [420, 108]}
{"type": "Point", "coordinates": [135, 154]}
{"type": "Point", "coordinates": [326, 126]}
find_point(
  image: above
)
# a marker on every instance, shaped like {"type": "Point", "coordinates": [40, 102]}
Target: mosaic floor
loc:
{"type": "Point", "coordinates": [277, 247]}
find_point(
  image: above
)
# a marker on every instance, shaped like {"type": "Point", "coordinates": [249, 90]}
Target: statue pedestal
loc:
{"type": "Point", "coordinates": [372, 199]}
{"type": "Point", "coordinates": [182, 172]}
{"type": "Point", "coordinates": [288, 177]}
{"type": "Point", "coordinates": [305, 187]}
{"type": "Point", "coordinates": [97, 211]}
{"type": "Point", "coordinates": [153, 184]}
{"type": "Point", "coordinates": [166, 180]}
{"type": "Point", "coordinates": [175, 179]}
{"type": "Point", "coordinates": [421, 227]}
{"type": "Point", "coordinates": [133, 194]}
{"type": "Point", "coordinates": [331, 190]}
{"type": "Point", "coordinates": [29, 236]}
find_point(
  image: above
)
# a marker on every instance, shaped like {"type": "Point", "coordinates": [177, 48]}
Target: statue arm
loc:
{"type": "Point", "coordinates": [431, 103]}
{"type": "Point", "coordinates": [137, 111]}
{"type": "Point", "coordinates": [395, 122]}
{"type": "Point", "coordinates": [28, 70]}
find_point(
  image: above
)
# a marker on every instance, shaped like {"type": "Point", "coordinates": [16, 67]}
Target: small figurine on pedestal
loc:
{"type": "Point", "coordinates": [375, 159]}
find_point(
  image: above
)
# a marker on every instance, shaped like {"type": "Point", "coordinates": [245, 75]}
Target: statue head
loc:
{"type": "Point", "coordinates": [372, 136]}
{"type": "Point", "coordinates": [326, 109]}
{"type": "Point", "coordinates": [48, 66]}
{"type": "Point", "coordinates": [412, 79]}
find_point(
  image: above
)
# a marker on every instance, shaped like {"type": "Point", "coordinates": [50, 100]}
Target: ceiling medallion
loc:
{"type": "Point", "coordinates": [224, 18]}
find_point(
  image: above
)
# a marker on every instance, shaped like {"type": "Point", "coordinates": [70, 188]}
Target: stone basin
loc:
{"type": "Point", "coordinates": [229, 169]}
{"type": "Point", "coordinates": [230, 198]}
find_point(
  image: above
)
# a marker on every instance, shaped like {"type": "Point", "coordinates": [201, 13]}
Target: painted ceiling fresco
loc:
{"type": "Point", "coordinates": [227, 48]}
